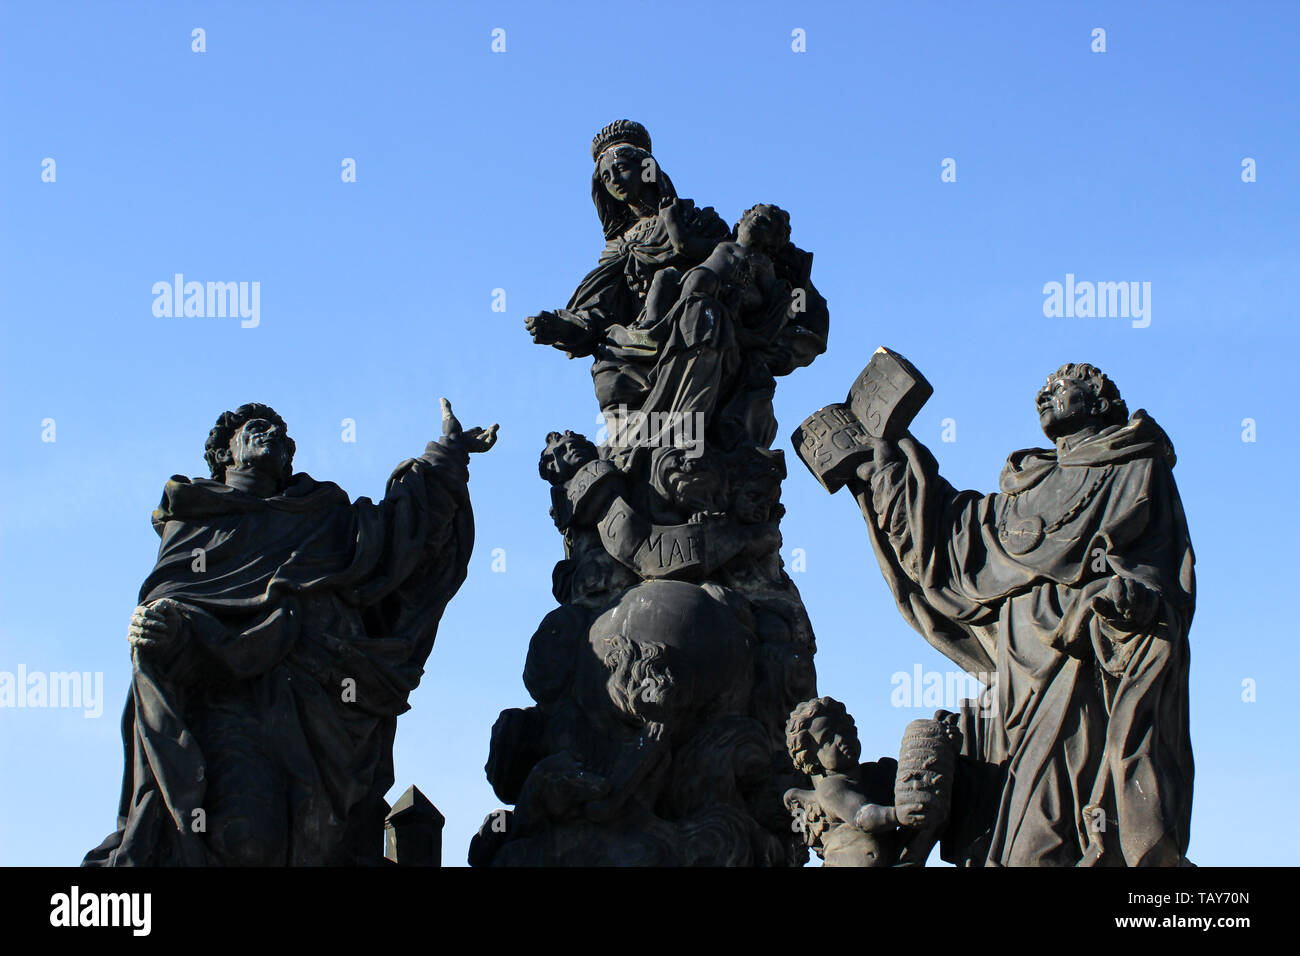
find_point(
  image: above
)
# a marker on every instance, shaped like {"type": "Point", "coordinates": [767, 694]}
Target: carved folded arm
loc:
{"type": "Point", "coordinates": [192, 645]}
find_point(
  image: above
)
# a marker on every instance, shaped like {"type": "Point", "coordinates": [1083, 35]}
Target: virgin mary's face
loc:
{"type": "Point", "coordinates": [621, 175]}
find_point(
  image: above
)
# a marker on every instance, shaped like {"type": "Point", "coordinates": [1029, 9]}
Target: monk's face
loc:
{"type": "Point", "coordinates": [1064, 406]}
{"type": "Point", "coordinates": [260, 445]}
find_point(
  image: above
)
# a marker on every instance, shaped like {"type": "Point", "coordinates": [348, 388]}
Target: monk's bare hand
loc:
{"type": "Point", "coordinates": [1127, 603]}
{"type": "Point", "coordinates": [154, 626]}
{"type": "Point", "coordinates": [883, 451]}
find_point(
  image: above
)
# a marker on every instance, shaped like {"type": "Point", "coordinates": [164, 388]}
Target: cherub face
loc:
{"type": "Point", "coordinates": [755, 229]}
{"type": "Point", "coordinates": [572, 453]}
{"type": "Point", "coordinates": [568, 455]}
{"type": "Point", "coordinates": [838, 749]}
{"type": "Point", "coordinates": [761, 227]}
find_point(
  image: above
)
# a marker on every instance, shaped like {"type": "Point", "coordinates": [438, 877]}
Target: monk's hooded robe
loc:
{"type": "Point", "coordinates": [1081, 741]}
{"type": "Point", "coordinates": [306, 623]}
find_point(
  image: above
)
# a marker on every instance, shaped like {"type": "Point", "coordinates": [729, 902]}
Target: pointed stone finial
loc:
{"type": "Point", "coordinates": [413, 831]}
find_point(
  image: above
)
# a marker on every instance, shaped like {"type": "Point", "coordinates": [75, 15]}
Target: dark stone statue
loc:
{"type": "Point", "coordinates": [663, 679]}
{"type": "Point", "coordinates": [681, 314]}
{"type": "Point", "coordinates": [275, 643]}
{"type": "Point", "coordinates": [1072, 586]}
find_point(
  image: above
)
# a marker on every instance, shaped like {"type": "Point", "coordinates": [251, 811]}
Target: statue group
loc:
{"type": "Point", "coordinates": [676, 718]}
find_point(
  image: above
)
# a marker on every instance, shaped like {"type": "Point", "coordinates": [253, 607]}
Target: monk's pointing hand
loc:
{"type": "Point", "coordinates": [450, 425]}
{"type": "Point", "coordinates": [474, 440]}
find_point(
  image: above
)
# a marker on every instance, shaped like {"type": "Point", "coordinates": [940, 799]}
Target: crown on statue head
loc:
{"type": "Point", "coordinates": [617, 133]}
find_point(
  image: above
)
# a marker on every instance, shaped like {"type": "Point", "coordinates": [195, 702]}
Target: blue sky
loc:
{"type": "Point", "coordinates": [472, 175]}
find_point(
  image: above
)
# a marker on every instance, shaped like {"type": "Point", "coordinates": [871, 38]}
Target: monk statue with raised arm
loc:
{"type": "Point", "coordinates": [276, 641]}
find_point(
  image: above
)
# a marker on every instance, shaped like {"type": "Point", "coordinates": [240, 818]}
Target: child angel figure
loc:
{"type": "Point", "coordinates": [740, 272]}
{"type": "Point", "coordinates": [871, 814]}
{"type": "Point", "coordinates": [700, 331]}
{"type": "Point", "coordinates": [847, 817]}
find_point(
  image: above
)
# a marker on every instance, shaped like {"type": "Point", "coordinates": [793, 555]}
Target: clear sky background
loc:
{"type": "Point", "coordinates": [472, 175]}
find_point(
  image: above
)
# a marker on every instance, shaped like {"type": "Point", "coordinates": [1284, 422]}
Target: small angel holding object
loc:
{"type": "Point", "coordinates": [885, 813]}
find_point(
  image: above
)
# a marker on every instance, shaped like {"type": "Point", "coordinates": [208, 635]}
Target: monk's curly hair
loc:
{"type": "Point", "coordinates": [229, 423]}
{"type": "Point", "coordinates": [798, 730]}
{"type": "Point", "coordinates": [1103, 389]}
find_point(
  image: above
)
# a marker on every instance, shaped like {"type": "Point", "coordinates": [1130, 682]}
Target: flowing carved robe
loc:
{"type": "Point", "coordinates": [306, 623]}
{"type": "Point", "coordinates": [1088, 713]}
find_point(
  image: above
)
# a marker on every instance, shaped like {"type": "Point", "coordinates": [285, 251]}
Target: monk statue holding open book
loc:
{"type": "Point", "coordinates": [1073, 584]}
